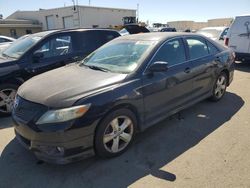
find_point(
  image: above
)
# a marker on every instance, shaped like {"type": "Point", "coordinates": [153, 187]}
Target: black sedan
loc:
{"type": "Point", "coordinates": [37, 53]}
{"type": "Point", "coordinates": [96, 106]}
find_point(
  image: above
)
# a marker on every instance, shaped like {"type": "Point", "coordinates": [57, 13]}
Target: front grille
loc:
{"type": "Point", "coordinates": [26, 110]}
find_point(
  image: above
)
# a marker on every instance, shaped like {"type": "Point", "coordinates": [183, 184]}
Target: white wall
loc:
{"type": "Point", "coordinates": [85, 17]}
{"type": "Point", "coordinates": [103, 17]}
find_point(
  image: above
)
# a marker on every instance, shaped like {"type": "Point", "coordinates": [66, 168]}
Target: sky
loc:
{"type": "Point", "coordinates": [152, 11]}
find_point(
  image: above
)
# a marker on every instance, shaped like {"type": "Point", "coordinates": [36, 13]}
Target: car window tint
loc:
{"type": "Point", "coordinates": [212, 49]}
{"type": "Point", "coordinates": [197, 48]}
{"type": "Point", "coordinates": [108, 36]}
{"type": "Point", "coordinates": [89, 41]}
{"type": "Point", "coordinates": [172, 52]}
{"type": "Point", "coordinates": [61, 45]}
{"type": "Point", "coordinates": [4, 40]}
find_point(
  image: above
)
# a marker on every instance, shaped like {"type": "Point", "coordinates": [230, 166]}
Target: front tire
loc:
{"type": "Point", "coordinates": [115, 133]}
{"type": "Point", "coordinates": [7, 97]}
{"type": "Point", "coordinates": [220, 87]}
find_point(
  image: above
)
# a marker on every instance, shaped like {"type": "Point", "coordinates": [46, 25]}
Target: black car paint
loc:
{"type": "Point", "coordinates": [151, 96]}
{"type": "Point", "coordinates": [16, 71]}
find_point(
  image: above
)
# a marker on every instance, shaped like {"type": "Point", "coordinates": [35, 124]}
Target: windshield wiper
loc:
{"type": "Point", "coordinates": [5, 55]}
{"type": "Point", "coordinates": [98, 68]}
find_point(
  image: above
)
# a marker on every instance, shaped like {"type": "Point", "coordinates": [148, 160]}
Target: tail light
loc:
{"type": "Point", "coordinates": [226, 41]}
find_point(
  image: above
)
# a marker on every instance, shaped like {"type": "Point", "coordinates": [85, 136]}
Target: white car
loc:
{"type": "Point", "coordinates": [215, 33]}
{"type": "Point", "coordinates": [238, 37]}
{"type": "Point", "coordinates": [5, 42]}
{"type": "Point", "coordinates": [4, 39]}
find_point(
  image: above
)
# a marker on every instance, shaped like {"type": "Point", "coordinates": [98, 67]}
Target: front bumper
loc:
{"type": "Point", "coordinates": [60, 147]}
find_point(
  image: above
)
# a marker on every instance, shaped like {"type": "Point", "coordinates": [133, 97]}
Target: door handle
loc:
{"type": "Point", "coordinates": [187, 70]}
{"type": "Point", "coordinates": [30, 70]}
{"type": "Point", "coordinates": [218, 58]}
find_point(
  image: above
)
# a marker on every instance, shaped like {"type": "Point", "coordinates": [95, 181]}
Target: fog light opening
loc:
{"type": "Point", "coordinates": [60, 150]}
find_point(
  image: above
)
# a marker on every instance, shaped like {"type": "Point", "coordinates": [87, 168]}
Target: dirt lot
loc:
{"type": "Point", "coordinates": [208, 145]}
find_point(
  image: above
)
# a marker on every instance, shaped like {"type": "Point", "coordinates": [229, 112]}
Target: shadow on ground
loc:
{"type": "Point", "coordinates": [242, 66]}
{"type": "Point", "coordinates": [151, 150]}
{"type": "Point", "coordinates": [5, 123]}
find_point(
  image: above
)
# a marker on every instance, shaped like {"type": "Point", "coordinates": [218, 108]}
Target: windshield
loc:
{"type": "Point", "coordinates": [20, 46]}
{"type": "Point", "coordinates": [120, 57]}
{"type": "Point", "coordinates": [211, 33]}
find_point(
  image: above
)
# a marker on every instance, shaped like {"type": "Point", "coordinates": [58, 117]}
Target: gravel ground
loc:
{"type": "Point", "coordinates": [207, 145]}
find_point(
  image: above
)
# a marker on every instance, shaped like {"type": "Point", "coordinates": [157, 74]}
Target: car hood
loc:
{"type": "Point", "coordinates": [62, 87]}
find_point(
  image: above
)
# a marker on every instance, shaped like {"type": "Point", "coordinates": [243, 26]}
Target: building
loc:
{"type": "Point", "coordinates": [76, 17]}
{"type": "Point", "coordinates": [183, 25]}
{"type": "Point", "coordinates": [16, 28]}
{"type": "Point", "coordinates": [219, 22]}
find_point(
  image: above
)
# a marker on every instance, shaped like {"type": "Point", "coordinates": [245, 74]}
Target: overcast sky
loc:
{"type": "Point", "coordinates": [154, 11]}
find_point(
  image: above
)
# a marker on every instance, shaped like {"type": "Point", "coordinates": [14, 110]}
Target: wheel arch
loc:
{"type": "Point", "coordinates": [128, 106]}
{"type": "Point", "coordinates": [16, 81]}
{"type": "Point", "coordinates": [227, 74]}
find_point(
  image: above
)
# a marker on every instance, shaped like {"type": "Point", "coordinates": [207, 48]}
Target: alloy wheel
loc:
{"type": "Point", "coordinates": [118, 134]}
{"type": "Point", "coordinates": [7, 97]}
{"type": "Point", "coordinates": [220, 86]}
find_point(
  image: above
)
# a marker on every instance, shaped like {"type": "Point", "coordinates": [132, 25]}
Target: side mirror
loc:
{"type": "Point", "coordinates": [37, 56]}
{"type": "Point", "coordinates": [158, 66]}
{"type": "Point", "coordinates": [222, 37]}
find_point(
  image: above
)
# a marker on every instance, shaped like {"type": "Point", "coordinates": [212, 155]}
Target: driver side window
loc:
{"type": "Point", "coordinates": [61, 45]}
{"type": "Point", "coordinates": [172, 52]}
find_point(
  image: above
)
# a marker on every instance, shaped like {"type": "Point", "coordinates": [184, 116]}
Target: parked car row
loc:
{"type": "Point", "coordinates": [236, 37]}
{"type": "Point", "coordinates": [96, 104]}
{"type": "Point", "coordinates": [215, 33]}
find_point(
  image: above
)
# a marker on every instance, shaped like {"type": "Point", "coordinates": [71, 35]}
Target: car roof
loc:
{"type": "Point", "coordinates": [156, 36]}
{"type": "Point", "coordinates": [45, 33]}
{"type": "Point", "coordinates": [243, 15]}
{"type": "Point", "coordinates": [5, 37]}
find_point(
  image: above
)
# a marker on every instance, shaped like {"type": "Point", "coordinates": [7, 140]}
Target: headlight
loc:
{"type": "Point", "coordinates": [62, 115]}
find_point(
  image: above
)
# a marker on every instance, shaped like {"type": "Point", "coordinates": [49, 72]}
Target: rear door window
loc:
{"type": "Point", "coordinates": [197, 48]}
{"type": "Point", "coordinates": [211, 48]}
{"type": "Point", "coordinates": [89, 41]}
{"type": "Point", "coordinates": [107, 36]}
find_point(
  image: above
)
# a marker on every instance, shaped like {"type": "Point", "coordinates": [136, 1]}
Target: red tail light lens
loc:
{"type": "Point", "coordinates": [226, 41]}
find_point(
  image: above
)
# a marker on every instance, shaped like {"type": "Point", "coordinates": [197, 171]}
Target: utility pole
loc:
{"type": "Point", "coordinates": [74, 4]}
{"type": "Point", "coordinates": [138, 5]}
{"type": "Point", "coordinates": [89, 2]}
{"type": "Point", "coordinates": [78, 14]}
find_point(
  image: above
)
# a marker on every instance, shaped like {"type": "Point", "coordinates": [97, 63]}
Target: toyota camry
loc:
{"type": "Point", "coordinates": [96, 106]}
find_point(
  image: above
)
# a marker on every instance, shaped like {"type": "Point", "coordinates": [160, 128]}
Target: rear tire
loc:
{"type": "Point", "coordinates": [115, 133]}
{"type": "Point", "coordinates": [7, 97]}
{"type": "Point", "coordinates": [220, 87]}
